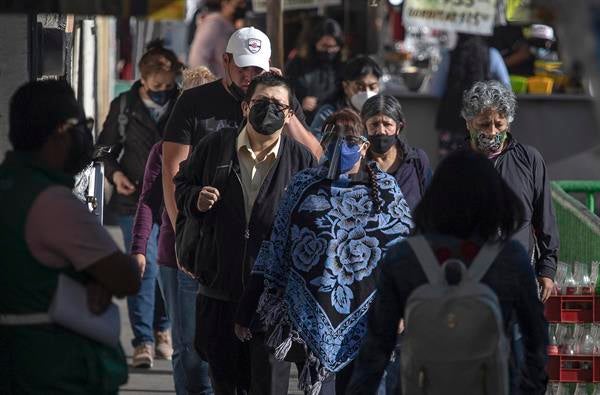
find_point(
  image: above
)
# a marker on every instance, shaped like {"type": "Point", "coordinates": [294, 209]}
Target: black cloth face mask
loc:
{"type": "Point", "coordinates": [381, 143]}
{"type": "Point", "coordinates": [266, 117]}
{"type": "Point", "coordinates": [82, 147]}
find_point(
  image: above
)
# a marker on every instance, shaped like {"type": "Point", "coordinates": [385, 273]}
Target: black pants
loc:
{"type": "Point", "coordinates": [236, 368]}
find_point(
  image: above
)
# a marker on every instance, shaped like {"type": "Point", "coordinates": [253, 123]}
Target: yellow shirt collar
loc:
{"type": "Point", "coordinates": [243, 142]}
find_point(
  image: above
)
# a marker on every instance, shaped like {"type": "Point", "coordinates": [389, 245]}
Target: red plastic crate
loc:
{"type": "Point", "coordinates": [574, 368]}
{"type": "Point", "coordinates": [572, 309]}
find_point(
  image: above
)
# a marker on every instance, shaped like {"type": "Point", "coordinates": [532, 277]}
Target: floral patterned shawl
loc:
{"type": "Point", "coordinates": [320, 266]}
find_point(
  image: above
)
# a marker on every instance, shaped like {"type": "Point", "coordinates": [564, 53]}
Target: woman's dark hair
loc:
{"type": "Point", "coordinates": [315, 29]}
{"type": "Point", "coordinates": [270, 79]}
{"type": "Point", "coordinates": [467, 198]}
{"type": "Point", "coordinates": [349, 121]}
{"type": "Point", "coordinates": [359, 67]}
{"type": "Point", "coordinates": [158, 59]}
{"type": "Point", "coordinates": [384, 105]}
{"type": "Point", "coordinates": [37, 109]}
{"type": "Point", "coordinates": [469, 63]}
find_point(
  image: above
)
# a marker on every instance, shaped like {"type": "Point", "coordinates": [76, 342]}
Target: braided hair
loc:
{"type": "Point", "coordinates": [347, 121]}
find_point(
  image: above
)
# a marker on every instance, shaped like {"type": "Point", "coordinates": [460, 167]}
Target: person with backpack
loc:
{"type": "Point", "coordinates": [459, 284]}
{"type": "Point", "coordinates": [190, 372]}
{"type": "Point", "coordinates": [385, 121]}
{"type": "Point", "coordinates": [333, 227]}
{"type": "Point", "coordinates": [228, 190]}
{"type": "Point", "coordinates": [135, 123]}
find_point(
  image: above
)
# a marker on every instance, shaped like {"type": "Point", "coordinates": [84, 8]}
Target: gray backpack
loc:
{"type": "Point", "coordinates": [454, 341]}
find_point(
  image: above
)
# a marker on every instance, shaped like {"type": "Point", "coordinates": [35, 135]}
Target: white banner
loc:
{"type": "Point", "coordinates": [466, 16]}
{"type": "Point", "coordinates": [260, 6]}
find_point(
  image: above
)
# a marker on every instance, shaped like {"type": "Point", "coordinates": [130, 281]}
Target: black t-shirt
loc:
{"type": "Point", "coordinates": [205, 109]}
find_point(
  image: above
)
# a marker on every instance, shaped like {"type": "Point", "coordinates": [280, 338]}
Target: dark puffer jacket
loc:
{"type": "Point", "coordinates": [141, 134]}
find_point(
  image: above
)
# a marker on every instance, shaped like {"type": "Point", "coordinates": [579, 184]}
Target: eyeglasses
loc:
{"type": "Point", "coordinates": [281, 107]}
{"type": "Point", "coordinates": [88, 123]}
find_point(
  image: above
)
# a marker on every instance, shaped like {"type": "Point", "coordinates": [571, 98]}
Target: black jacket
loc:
{"type": "Point", "coordinates": [141, 134]}
{"type": "Point", "coordinates": [523, 168]}
{"type": "Point", "coordinates": [414, 173]}
{"type": "Point", "coordinates": [226, 264]}
{"type": "Point", "coordinates": [511, 279]}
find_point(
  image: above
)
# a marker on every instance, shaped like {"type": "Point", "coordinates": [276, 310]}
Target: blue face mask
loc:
{"type": "Point", "coordinates": [349, 155]}
{"type": "Point", "coordinates": [160, 97]}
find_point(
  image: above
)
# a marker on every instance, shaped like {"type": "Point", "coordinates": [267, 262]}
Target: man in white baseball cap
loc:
{"type": "Point", "coordinates": [250, 47]}
{"type": "Point", "coordinates": [216, 106]}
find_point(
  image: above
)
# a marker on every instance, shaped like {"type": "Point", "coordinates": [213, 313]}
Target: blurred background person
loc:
{"type": "Point", "coordinates": [47, 232]}
{"type": "Point", "coordinates": [470, 61]}
{"type": "Point", "coordinates": [466, 206]}
{"type": "Point", "coordinates": [211, 35]}
{"type": "Point", "coordinates": [333, 227]}
{"type": "Point", "coordinates": [190, 372]}
{"type": "Point", "coordinates": [360, 81]}
{"type": "Point", "coordinates": [385, 121]}
{"type": "Point", "coordinates": [315, 69]}
{"type": "Point", "coordinates": [135, 123]}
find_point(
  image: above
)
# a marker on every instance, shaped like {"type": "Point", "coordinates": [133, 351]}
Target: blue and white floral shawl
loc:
{"type": "Point", "coordinates": [320, 266]}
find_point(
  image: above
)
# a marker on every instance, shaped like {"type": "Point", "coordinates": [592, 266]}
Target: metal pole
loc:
{"type": "Point", "coordinates": [275, 31]}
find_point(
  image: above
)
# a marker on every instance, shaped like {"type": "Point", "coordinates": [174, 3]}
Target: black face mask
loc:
{"type": "Point", "coordinates": [381, 143]}
{"type": "Point", "coordinates": [82, 147]}
{"type": "Point", "coordinates": [326, 56]}
{"type": "Point", "coordinates": [266, 117]}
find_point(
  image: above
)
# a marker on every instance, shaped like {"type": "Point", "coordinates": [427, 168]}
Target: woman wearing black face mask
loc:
{"type": "Point", "coordinates": [315, 69]}
{"type": "Point", "coordinates": [384, 120]}
{"type": "Point", "coordinates": [135, 123]}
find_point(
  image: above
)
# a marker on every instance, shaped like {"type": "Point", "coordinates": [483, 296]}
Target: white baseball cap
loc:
{"type": "Point", "coordinates": [250, 47]}
{"type": "Point", "coordinates": [543, 32]}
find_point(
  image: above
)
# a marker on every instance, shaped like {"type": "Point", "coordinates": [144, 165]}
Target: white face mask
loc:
{"type": "Point", "coordinates": [358, 100]}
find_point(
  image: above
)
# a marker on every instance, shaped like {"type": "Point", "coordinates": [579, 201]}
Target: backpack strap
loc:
{"type": "Point", "coordinates": [427, 259]}
{"type": "Point", "coordinates": [123, 119]}
{"type": "Point", "coordinates": [484, 259]}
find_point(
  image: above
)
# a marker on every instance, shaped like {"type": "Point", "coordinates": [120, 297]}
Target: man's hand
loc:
{"type": "Point", "coordinates": [141, 261]}
{"type": "Point", "coordinates": [98, 298]}
{"type": "Point", "coordinates": [122, 183]}
{"type": "Point", "coordinates": [242, 333]}
{"type": "Point", "coordinates": [547, 285]}
{"type": "Point", "coordinates": [207, 198]}
{"type": "Point", "coordinates": [309, 103]}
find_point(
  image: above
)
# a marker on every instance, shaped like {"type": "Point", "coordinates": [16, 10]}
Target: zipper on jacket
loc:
{"type": "Point", "coordinates": [246, 231]}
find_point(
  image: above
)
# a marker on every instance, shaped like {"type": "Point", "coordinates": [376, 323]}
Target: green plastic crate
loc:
{"type": "Point", "coordinates": [578, 227]}
{"type": "Point", "coordinates": [518, 83]}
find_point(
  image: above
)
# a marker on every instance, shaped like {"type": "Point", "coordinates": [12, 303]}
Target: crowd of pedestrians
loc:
{"type": "Point", "coordinates": [271, 221]}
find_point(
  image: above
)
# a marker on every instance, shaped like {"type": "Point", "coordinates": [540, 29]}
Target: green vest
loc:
{"type": "Point", "coordinates": [40, 359]}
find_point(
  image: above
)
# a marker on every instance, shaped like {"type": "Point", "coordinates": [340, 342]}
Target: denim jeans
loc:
{"type": "Point", "coordinates": [190, 372]}
{"type": "Point", "coordinates": [145, 313]}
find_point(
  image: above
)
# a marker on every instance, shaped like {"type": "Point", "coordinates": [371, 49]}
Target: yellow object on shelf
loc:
{"type": "Point", "coordinates": [540, 85]}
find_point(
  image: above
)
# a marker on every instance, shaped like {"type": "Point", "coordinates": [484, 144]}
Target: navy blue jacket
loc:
{"type": "Point", "coordinates": [414, 173]}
